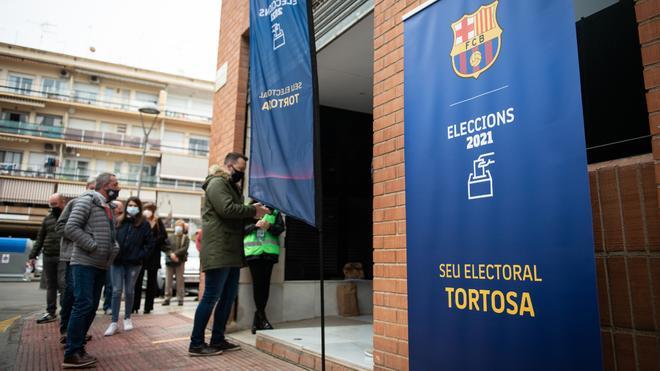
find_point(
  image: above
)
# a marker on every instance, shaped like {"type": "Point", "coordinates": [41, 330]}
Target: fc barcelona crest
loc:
{"type": "Point", "coordinates": [477, 41]}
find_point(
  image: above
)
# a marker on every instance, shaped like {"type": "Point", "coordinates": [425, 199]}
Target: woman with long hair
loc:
{"type": "Point", "coordinates": [135, 241]}
{"type": "Point", "coordinates": [151, 263]}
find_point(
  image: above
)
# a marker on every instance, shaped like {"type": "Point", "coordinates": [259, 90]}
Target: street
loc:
{"type": "Point", "coordinates": [17, 300]}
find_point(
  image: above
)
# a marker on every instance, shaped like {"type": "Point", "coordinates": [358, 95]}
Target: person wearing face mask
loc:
{"type": "Point", "coordinates": [151, 263]}
{"type": "Point", "coordinates": [175, 262]}
{"type": "Point", "coordinates": [135, 242]}
{"type": "Point", "coordinates": [91, 228]}
{"type": "Point", "coordinates": [48, 240]}
{"type": "Point", "coordinates": [223, 219]}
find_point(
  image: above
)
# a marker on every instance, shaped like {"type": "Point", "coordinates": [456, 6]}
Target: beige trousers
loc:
{"type": "Point", "coordinates": [170, 271]}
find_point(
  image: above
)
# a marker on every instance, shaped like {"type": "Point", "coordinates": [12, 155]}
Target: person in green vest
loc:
{"type": "Point", "coordinates": [262, 249]}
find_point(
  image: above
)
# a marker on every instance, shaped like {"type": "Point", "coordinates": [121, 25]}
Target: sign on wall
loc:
{"type": "Point", "coordinates": [500, 249]}
{"type": "Point", "coordinates": [282, 107]}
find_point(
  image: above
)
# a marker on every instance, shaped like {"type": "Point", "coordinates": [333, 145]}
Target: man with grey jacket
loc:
{"type": "Point", "coordinates": [91, 227]}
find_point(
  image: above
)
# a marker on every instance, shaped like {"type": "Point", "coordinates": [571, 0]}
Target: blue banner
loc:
{"type": "Point", "coordinates": [282, 108]}
{"type": "Point", "coordinates": [501, 272]}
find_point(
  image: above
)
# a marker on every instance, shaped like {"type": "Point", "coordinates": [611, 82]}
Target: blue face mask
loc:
{"type": "Point", "coordinates": [132, 210]}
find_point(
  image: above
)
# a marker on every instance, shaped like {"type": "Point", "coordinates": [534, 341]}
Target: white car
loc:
{"type": "Point", "coordinates": [190, 274]}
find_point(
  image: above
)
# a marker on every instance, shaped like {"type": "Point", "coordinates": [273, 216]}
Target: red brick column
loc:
{"type": "Point", "coordinates": [229, 103]}
{"type": "Point", "coordinates": [389, 230]}
{"type": "Point", "coordinates": [648, 17]}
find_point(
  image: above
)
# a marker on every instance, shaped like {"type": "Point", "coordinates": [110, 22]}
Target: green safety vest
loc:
{"type": "Point", "coordinates": [253, 244]}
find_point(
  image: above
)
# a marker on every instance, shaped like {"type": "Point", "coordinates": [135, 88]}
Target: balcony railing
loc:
{"type": "Point", "coordinates": [76, 135]}
{"type": "Point", "coordinates": [81, 175]}
{"type": "Point", "coordinates": [91, 98]}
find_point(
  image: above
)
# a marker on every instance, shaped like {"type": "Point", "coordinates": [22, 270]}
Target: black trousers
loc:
{"type": "Point", "coordinates": [261, 270]}
{"type": "Point", "coordinates": [152, 289]}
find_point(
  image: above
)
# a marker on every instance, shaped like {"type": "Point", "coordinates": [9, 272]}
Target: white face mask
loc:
{"type": "Point", "coordinates": [147, 214]}
{"type": "Point", "coordinates": [132, 210]}
{"type": "Point", "coordinates": [178, 230]}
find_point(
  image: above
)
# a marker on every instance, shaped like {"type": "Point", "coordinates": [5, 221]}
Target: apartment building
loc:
{"type": "Point", "coordinates": [64, 119]}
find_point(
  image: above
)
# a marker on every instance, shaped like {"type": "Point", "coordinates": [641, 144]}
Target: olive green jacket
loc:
{"type": "Point", "coordinates": [223, 221]}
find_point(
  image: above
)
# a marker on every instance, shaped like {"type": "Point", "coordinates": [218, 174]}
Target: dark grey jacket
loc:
{"type": "Point", "coordinates": [91, 227]}
{"type": "Point", "coordinates": [48, 238]}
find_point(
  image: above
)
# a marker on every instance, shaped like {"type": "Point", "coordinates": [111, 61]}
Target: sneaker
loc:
{"type": "Point", "coordinates": [78, 360]}
{"type": "Point", "coordinates": [112, 329]}
{"type": "Point", "coordinates": [203, 351]}
{"type": "Point", "coordinates": [226, 346]}
{"type": "Point", "coordinates": [166, 302]}
{"type": "Point", "coordinates": [180, 302]}
{"type": "Point", "coordinates": [47, 318]}
{"type": "Point", "coordinates": [128, 324]}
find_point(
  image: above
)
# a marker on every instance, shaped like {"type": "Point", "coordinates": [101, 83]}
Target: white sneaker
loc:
{"type": "Point", "coordinates": [112, 329]}
{"type": "Point", "coordinates": [128, 325]}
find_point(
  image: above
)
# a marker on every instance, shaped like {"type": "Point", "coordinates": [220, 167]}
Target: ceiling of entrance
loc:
{"type": "Point", "coordinates": [345, 69]}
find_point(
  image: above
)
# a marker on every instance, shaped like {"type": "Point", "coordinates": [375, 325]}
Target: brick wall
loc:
{"type": "Point", "coordinates": [648, 17]}
{"type": "Point", "coordinates": [229, 103]}
{"type": "Point", "coordinates": [389, 229]}
{"type": "Point", "coordinates": [627, 243]}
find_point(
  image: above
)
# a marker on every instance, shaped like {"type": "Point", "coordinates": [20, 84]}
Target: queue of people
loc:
{"type": "Point", "coordinates": [95, 241]}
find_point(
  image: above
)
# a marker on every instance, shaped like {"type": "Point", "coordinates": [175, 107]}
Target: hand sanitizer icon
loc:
{"type": "Point", "coordinates": [480, 182]}
{"type": "Point", "coordinates": [278, 36]}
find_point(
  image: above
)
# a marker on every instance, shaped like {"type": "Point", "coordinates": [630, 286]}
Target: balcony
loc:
{"type": "Point", "coordinates": [90, 98]}
{"type": "Point", "coordinates": [76, 135]}
{"type": "Point", "coordinates": [81, 175]}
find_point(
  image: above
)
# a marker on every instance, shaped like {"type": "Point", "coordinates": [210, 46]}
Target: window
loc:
{"type": "Point", "coordinates": [20, 83]}
{"type": "Point", "coordinates": [148, 171]}
{"type": "Point", "coordinates": [82, 124]}
{"type": "Point", "coordinates": [15, 116]}
{"type": "Point", "coordinates": [145, 99]}
{"type": "Point", "coordinates": [76, 167]}
{"type": "Point", "coordinates": [85, 93]}
{"type": "Point", "coordinates": [54, 87]}
{"type": "Point", "coordinates": [113, 128]}
{"type": "Point", "coordinates": [116, 97]}
{"type": "Point", "coordinates": [198, 146]}
{"type": "Point", "coordinates": [10, 160]}
{"type": "Point", "coordinates": [49, 120]}
{"type": "Point", "coordinates": [173, 141]}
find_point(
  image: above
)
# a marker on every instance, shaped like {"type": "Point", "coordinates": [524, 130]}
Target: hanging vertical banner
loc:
{"type": "Point", "coordinates": [501, 272]}
{"type": "Point", "coordinates": [282, 107]}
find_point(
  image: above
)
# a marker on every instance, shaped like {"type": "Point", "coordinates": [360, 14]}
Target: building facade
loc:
{"type": "Point", "coordinates": [619, 48]}
{"type": "Point", "coordinates": [64, 119]}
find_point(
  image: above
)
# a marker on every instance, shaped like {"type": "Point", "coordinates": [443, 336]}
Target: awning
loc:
{"type": "Point", "coordinates": [70, 190]}
{"type": "Point", "coordinates": [26, 191]}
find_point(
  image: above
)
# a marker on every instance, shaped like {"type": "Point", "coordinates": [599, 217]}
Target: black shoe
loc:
{"type": "Point", "coordinates": [47, 318]}
{"type": "Point", "coordinates": [255, 323]}
{"type": "Point", "coordinates": [146, 311]}
{"type": "Point", "coordinates": [180, 303]}
{"type": "Point", "coordinates": [166, 302]}
{"type": "Point", "coordinates": [204, 351]}
{"type": "Point", "coordinates": [262, 321]}
{"type": "Point", "coordinates": [226, 346]}
{"type": "Point", "coordinates": [78, 360]}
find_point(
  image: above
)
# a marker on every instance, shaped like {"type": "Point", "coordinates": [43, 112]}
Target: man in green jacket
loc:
{"type": "Point", "coordinates": [48, 241]}
{"type": "Point", "coordinates": [223, 220]}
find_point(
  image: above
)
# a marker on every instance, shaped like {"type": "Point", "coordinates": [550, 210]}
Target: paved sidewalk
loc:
{"type": "Point", "coordinates": [158, 342]}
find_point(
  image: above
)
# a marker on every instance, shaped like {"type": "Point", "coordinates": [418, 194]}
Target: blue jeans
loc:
{"type": "Point", "coordinates": [221, 285]}
{"type": "Point", "coordinates": [123, 277]}
{"type": "Point", "coordinates": [67, 297]}
{"type": "Point", "coordinates": [107, 291]}
{"type": "Point", "coordinates": [87, 285]}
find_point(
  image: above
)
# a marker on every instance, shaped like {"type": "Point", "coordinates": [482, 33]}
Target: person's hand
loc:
{"type": "Point", "coordinates": [261, 210]}
{"type": "Point", "coordinates": [174, 258]}
{"type": "Point", "coordinates": [31, 262]}
{"type": "Point", "coordinates": [263, 225]}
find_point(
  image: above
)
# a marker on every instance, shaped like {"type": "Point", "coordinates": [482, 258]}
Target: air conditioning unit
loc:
{"type": "Point", "coordinates": [70, 151]}
{"type": "Point", "coordinates": [94, 79]}
{"type": "Point", "coordinates": [64, 74]}
{"type": "Point", "coordinates": [49, 147]}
